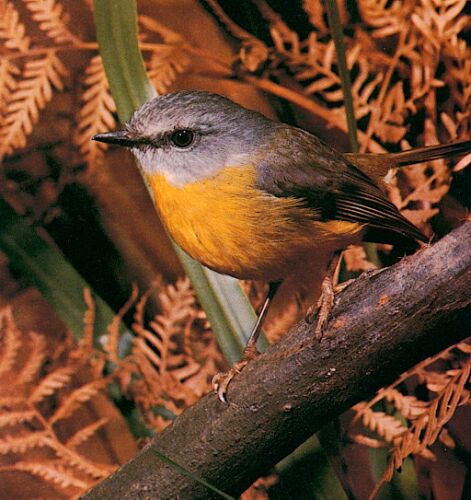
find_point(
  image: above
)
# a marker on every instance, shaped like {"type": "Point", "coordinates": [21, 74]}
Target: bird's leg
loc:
{"type": "Point", "coordinates": [222, 380]}
{"type": "Point", "coordinates": [326, 300]}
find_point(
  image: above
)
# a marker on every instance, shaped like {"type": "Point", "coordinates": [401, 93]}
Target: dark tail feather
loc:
{"type": "Point", "coordinates": [428, 153]}
{"type": "Point", "coordinates": [377, 166]}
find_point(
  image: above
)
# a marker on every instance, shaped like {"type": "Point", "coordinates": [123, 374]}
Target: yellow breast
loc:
{"type": "Point", "coordinates": [229, 225]}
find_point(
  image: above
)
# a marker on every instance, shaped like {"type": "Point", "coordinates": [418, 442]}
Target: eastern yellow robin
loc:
{"type": "Point", "coordinates": [257, 199]}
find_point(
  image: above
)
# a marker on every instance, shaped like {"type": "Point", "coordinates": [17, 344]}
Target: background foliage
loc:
{"type": "Point", "coordinates": [411, 85]}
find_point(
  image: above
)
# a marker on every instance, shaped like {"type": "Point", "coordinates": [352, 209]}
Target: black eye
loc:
{"type": "Point", "coordinates": [182, 138]}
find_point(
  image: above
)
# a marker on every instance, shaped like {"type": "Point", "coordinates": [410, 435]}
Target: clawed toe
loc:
{"type": "Point", "coordinates": [221, 381]}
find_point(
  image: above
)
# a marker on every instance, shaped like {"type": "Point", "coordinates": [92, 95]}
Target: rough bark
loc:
{"type": "Point", "coordinates": [382, 324]}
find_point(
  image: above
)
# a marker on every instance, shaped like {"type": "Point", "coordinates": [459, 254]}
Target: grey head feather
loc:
{"type": "Point", "coordinates": [226, 134]}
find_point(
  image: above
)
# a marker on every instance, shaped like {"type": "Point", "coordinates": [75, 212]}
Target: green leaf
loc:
{"type": "Point", "coordinates": [49, 271]}
{"type": "Point", "coordinates": [116, 31]}
{"type": "Point", "coordinates": [307, 474]}
{"type": "Point", "coordinates": [224, 302]}
{"type": "Point", "coordinates": [337, 35]}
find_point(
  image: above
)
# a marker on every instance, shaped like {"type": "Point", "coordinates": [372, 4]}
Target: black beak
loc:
{"type": "Point", "coordinates": [121, 138]}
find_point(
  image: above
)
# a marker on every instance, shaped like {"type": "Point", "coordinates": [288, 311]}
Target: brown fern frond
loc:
{"type": "Point", "coordinates": [16, 417]}
{"type": "Point", "coordinates": [52, 472]}
{"type": "Point", "coordinates": [139, 309]}
{"type": "Point", "coordinates": [409, 406]}
{"type": "Point", "coordinates": [356, 260]}
{"type": "Point", "coordinates": [51, 384]}
{"type": "Point", "coordinates": [165, 64]}
{"type": "Point", "coordinates": [315, 12]}
{"type": "Point", "coordinates": [8, 83]}
{"type": "Point", "coordinates": [178, 300]}
{"type": "Point", "coordinates": [111, 346]}
{"type": "Point", "coordinates": [10, 444]}
{"type": "Point", "coordinates": [439, 22]}
{"type": "Point", "coordinates": [445, 438]}
{"type": "Point", "coordinates": [12, 31]}
{"type": "Point", "coordinates": [368, 441]}
{"type": "Point", "coordinates": [177, 303]}
{"type": "Point", "coordinates": [74, 400]}
{"type": "Point", "coordinates": [425, 429]}
{"type": "Point", "coordinates": [73, 459]}
{"type": "Point", "coordinates": [97, 111]}
{"type": "Point", "coordinates": [464, 347]}
{"type": "Point", "coordinates": [386, 426]}
{"type": "Point", "coordinates": [52, 19]}
{"type": "Point", "coordinates": [174, 363]}
{"type": "Point", "coordinates": [168, 59]}
{"type": "Point", "coordinates": [165, 34]}
{"type": "Point", "coordinates": [231, 27]}
{"type": "Point", "coordinates": [32, 428]}
{"type": "Point", "coordinates": [10, 339]}
{"type": "Point", "coordinates": [32, 93]}
{"type": "Point", "coordinates": [88, 320]}
{"type": "Point", "coordinates": [11, 401]}
{"type": "Point", "coordinates": [385, 18]}
{"type": "Point", "coordinates": [37, 355]}
{"type": "Point", "coordinates": [276, 24]}
{"type": "Point", "coordinates": [85, 433]}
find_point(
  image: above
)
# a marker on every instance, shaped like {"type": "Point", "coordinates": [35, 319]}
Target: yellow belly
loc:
{"type": "Point", "coordinates": [234, 228]}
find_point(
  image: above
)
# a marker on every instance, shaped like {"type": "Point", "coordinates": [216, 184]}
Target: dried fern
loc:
{"type": "Point", "coordinates": [167, 367]}
{"type": "Point", "coordinates": [10, 444]}
{"type": "Point", "coordinates": [96, 114]}
{"type": "Point", "coordinates": [424, 420]}
{"type": "Point", "coordinates": [32, 93]}
{"type": "Point", "coordinates": [52, 19]}
{"type": "Point", "coordinates": [85, 433]}
{"type": "Point", "coordinates": [51, 472]}
{"type": "Point", "coordinates": [39, 397]}
{"type": "Point", "coordinates": [12, 30]}
{"type": "Point", "coordinates": [10, 343]}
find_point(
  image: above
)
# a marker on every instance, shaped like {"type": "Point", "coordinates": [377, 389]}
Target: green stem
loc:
{"type": "Point", "coordinates": [337, 35]}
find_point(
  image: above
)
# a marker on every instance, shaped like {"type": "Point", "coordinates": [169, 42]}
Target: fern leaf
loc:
{"type": "Point", "coordinates": [111, 346]}
{"type": "Point", "coordinates": [96, 114]}
{"type": "Point", "coordinates": [34, 362]}
{"type": "Point", "coordinates": [9, 401]}
{"type": "Point", "coordinates": [10, 340]}
{"type": "Point", "coordinates": [315, 12]}
{"type": "Point", "coordinates": [16, 417]}
{"type": "Point", "coordinates": [10, 444]}
{"type": "Point", "coordinates": [76, 398]}
{"type": "Point", "coordinates": [8, 83]}
{"type": "Point", "coordinates": [386, 426]}
{"type": "Point", "coordinates": [12, 31]}
{"type": "Point", "coordinates": [52, 19]}
{"type": "Point", "coordinates": [50, 384]}
{"type": "Point", "coordinates": [409, 406]}
{"type": "Point", "coordinates": [165, 64]}
{"type": "Point", "coordinates": [31, 95]}
{"type": "Point", "coordinates": [52, 472]}
{"type": "Point", "coordinates": [73, 459]}
{"type": "Point", "coordinates": [83, 434]}
{"type": "Point", "coordinates": [88, 320]}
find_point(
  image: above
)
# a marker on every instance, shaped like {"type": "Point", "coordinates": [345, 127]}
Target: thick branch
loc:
{"type": "Point", "coordinates": [382, 325]}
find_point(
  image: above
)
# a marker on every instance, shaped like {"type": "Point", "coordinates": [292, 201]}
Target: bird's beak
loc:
{"type": "Point", "coordinates": [120, 137]}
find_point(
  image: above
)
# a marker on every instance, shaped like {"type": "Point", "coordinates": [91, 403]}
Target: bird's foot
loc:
{"type": "Point", "coordinates": [221, 381]}
{"type": "Point", "coordinates": [324, 305]}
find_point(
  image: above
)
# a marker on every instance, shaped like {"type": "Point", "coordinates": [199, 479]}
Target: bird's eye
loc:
{"type": "Point", "coordinates": [182, 138]}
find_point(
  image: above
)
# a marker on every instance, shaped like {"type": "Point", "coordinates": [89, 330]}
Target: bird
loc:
{"type": "Point", "coordinates": [258, 199]}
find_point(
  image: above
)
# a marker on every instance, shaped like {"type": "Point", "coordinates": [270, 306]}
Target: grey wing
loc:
{"type": "Point", "coordinates": [303, 167]}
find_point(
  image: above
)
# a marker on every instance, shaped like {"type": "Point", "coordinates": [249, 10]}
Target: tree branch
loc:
{"type": "Point", "coordinates": [382, 325]}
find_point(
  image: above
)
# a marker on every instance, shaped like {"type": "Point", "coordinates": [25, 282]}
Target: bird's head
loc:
{"type": "Point", "coordinates": [189, 136]}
